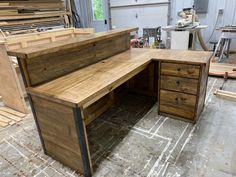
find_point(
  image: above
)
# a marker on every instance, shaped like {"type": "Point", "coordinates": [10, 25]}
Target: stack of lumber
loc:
{"type": "Point", "coordinates": [23, 15]}
{"type": "Point", "coordinates": [9, 116]}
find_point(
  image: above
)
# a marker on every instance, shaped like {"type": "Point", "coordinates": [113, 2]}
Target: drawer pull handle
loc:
{"type": "Point", "coordinates": [179, 69]}
{"type": "Point", "coordinates": [177, 82]}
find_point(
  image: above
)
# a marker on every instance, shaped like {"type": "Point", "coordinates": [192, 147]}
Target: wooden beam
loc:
{"type": "Point", "coordinates": [226, 94]}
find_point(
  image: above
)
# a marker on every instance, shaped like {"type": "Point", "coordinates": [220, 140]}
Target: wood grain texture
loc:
{"type": "Point", "coordinates": [181, 56]}
{"type": "Point", "coordinates": [178, 104]}
{"type": "Point", "coordinates": [219, 69]}
{"type": "Point", "coordinates": [13, 89]}
{"type": "Point", "coordinates": [11, 92]}
{"type": "Point", "coordinates": [180, 70]}
{"type": "Point", "coordinates": [202, 88]}
{"type": "Point", "coordinates": [87, 85]}
{"type": "Point", "coordinates": [59, 133]}
{"type": "Point", "coordinates": [179, 84]}
{"type": "Point", "coordinates": [32, 52]}
{"type": "Point", "coordinates": [48, 67]}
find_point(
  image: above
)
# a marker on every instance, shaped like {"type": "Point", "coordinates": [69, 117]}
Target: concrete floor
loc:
{"type": "Point", "coordinates": [131, 140]}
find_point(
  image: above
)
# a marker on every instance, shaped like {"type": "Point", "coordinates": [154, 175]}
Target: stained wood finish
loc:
{"type": "Point", "coordinates": [178, 104]}
{"type": "Point", "coordinates": [58, 130]}
{"type": "Point", "coordinates": [87, 85]}
{"type": "Point", "coordinates": [145, 82]}
{"type": "Point", "coordinates": [202, 88]}
{"type": "Point", "coordinates": [75, 78]}
{"type": "Point", "coordinates": [180, 70]}
{"type": "Point", "coordinates": [32, 52]}
{"type": "Point", "coordinates": [45, 68]}
{"type": "Point", "coordinates": [9, 72]}
{"type": "Point", "coordinates": [179, 84]}
{"type": "Point", "coordinates": [190, 81]}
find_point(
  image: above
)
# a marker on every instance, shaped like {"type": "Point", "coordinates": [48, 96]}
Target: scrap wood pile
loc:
{"type": "Point", "coordinates": [17, 16]}
{"type": "Point", "coordinates": [9, 116]}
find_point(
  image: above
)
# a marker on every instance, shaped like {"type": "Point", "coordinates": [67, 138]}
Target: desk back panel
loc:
{"type": "Point", "coordinates": [47, 67]}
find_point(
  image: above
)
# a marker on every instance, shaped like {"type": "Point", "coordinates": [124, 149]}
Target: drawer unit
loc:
{"type": "Point", "coordinates": [180, 70]}
{"type": "Point", "coordinates": [179, 84]}
{"type": "Point", "coordinates": [182, 89]}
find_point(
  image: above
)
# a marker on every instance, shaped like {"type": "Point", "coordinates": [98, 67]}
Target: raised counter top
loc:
{"type": "Point", "coordinates": [39, 50]}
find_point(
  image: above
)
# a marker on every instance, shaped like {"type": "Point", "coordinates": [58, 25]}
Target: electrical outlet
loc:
{"type": "Point", "coordinates": [221, 11]}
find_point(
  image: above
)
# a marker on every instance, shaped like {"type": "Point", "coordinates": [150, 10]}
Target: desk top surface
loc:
{"type": "Point", "coordinates": [84, 85]}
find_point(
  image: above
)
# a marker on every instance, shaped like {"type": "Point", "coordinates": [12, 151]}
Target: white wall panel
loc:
{"type": "Point", "coordinates": [134, 2]}
{"type": "Point", "coordinates": [150, 16]}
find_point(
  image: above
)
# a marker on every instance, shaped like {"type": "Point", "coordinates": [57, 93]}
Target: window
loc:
{"type": "Point", "coordinates": [98, 12]}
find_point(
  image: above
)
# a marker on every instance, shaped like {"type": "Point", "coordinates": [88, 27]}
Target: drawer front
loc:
{"type": "Point", "coordinates": [179, 84]}
{"type": "Point", "coordinates": [178, 104]}
{"type": "Point", "coordinates": [180, 70]}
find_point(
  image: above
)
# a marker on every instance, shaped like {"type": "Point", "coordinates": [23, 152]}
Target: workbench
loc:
{"type": "Point", "coordinates": [72, 82]}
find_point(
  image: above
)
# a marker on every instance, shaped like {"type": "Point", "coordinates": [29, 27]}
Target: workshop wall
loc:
{"type": "Point", "coordinates": [140, 13]}
{"type": "Point", "coordinates": [227, 18]}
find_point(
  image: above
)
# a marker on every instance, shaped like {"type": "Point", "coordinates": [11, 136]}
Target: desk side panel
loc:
{"type": "Point", "coordinates": [203, 89]}
{"type": "Point", "coordinates": [51, 66]}
{"type": "Point", "coordinates": [58, 130]}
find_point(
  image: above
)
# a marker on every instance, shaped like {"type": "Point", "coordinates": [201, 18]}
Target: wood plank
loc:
{"type": "Point", "coordinates": [10, 116]}
{"type": "Point", "coordinates": [219, 69]}
{"type": "Point", "coordinates": [19, 17]}
{"type": "Point", "coordinates": [226, 94]}
{"type": "Point", "coordinates": [11, 90]}
{"type": "Point", "coordinates": [4, 119]}
{"type": "Point", "coordinates": [3, 124]}
{"type": "Point", "coordinates": [11, 111]}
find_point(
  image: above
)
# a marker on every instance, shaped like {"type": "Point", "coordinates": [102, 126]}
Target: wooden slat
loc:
{"type": "Point", "coordinates": [20, 17]}
{"type": "Point", "coordinates": [10, 116]}
{"type": "Point", "coordinates": [11, 111]}
{"type": "Point", "coordinates": [226, 94]}
{"type": "Point", "coordinates": [4, 119]}
{"type": "Point", "coordinates": [3, 124]}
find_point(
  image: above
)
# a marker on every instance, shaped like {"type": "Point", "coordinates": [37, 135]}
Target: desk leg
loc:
{"type": "Point", "coordinates": [81, 132]}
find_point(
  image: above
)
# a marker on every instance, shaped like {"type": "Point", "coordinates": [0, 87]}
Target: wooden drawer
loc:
{"type": "Point", "coordinates": [179, 84]}
{"type": "Point", "coordinates": [178, 104]}
{"type": "Point", "coordinates": [180, 70]}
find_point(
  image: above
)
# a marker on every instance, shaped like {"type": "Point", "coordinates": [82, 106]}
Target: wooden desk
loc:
{"type": "Point", "coordinates": [63, 88]}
